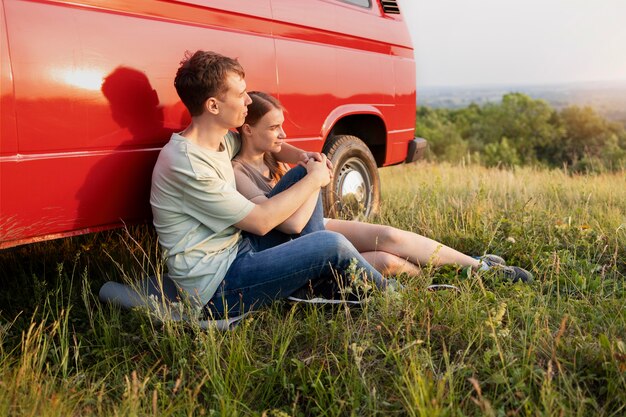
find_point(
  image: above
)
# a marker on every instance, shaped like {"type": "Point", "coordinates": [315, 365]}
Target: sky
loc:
{"type": "Point", "coordinates": [516, 42]}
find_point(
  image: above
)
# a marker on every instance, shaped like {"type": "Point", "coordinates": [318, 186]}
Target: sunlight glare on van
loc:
{"type": "Point", "coordinates": [88, 79]}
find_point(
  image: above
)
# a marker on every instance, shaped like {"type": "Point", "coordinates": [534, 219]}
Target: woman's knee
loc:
{"type": "Point", "coordinates": [290, 178]}
{"type": "Point", "coordinates": [296, 173]}
{"type": "Point", "coordinates": [391, 264]}
{"type": "Point", "coordinates": [386, 261]}
{"type": "Point", "coordinates": [389, 236]}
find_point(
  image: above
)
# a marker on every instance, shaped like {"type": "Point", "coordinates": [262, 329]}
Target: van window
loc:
{"type": "Point", "coordinates": [362, 3]}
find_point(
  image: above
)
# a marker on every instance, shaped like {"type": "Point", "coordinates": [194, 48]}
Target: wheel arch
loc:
{"type": "Point", "coordinates": [363, 121]}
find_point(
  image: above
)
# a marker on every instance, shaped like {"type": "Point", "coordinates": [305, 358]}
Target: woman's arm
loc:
{"type": "Point", "coordinates": [289, 154]}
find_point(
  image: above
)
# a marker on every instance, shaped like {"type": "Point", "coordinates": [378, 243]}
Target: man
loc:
{"type": "Point", "coordinates": [199, 215]}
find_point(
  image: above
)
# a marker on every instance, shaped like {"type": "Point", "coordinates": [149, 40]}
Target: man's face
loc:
{"type": "Point", "coordinates": [233, 104]}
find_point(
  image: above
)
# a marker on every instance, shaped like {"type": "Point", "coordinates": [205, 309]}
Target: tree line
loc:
{"type": "Point", "coordinates": [521, 130]}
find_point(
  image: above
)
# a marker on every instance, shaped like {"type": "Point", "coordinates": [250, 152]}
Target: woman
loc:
{"type": "Point", "coordinates": [391, 251]}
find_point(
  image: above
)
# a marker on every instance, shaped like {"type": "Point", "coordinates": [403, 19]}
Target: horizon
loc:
{"type": "Point", "coordinates": [613, 82]}
{"type": "Point", "coordinates": [607, 98]}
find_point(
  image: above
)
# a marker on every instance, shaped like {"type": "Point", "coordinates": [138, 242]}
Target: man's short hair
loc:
{"type": "Point", "coordinates": [202, 75]}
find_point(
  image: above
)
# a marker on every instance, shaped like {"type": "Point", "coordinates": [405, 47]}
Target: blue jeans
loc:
{"type": "Point", "coordinates": [264, 271]}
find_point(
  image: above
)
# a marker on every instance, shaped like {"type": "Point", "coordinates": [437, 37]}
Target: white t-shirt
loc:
{"type": "Point", "coordinates": [195, 204]}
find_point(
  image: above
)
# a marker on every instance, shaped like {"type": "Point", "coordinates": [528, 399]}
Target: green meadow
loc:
{"type": "Point", "coordinates": [556, 347]}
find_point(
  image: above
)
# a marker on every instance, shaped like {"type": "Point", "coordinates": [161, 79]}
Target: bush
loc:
{"type": "Point", "coordinates": [445, 142]}
{"type": "Point", "coordinates": [501, 154]}
{"type": "Point", "coordinates": [524, 131]}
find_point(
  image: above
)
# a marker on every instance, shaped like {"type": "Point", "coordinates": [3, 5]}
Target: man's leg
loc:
{"type": "Point", "coordinates": [257, 278]}
{"type": "Point", "coordinates": [276, 237]}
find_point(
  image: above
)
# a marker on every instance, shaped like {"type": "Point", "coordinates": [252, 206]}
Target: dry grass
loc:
{"type": "Point", "coordinates": [555, 347]}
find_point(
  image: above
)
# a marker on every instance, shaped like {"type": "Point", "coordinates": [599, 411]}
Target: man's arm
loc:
{"type": "Point", "coordinates": [268, 214]}
{"type": "Point", "coordinates": [289, 154]}
{"type": "Point", "coordinates": [296, 222]}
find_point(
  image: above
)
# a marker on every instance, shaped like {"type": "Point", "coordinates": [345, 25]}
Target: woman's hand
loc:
{"type": "Point", "coordinates": [317, 156]}
{"type": "Point", "coordinates": [319, 169]}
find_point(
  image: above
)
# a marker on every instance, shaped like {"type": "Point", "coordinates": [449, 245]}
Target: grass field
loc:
{"type": "Point", "coordinates": [552, 348]}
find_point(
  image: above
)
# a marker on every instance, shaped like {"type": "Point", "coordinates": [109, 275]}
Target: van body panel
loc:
{"type": "Point", "coordinates": [404, 101]}
{"type": "Point", "coordinates": [50, 198]}
{"type": "Point", "coordinates": [338, 18]}
{"type": "Point", "coordinates": [63, 83]}
{"type": "Point", "coordinates": [356, 50]}
{"type": "Point", "coordinates": [8, 131]}
{"type": "Point", "coordinates": [317, 97]}
{"type": "Point", "coordinates": [88, 100]}
{"type": "Point", "coordinates": [93, 111]}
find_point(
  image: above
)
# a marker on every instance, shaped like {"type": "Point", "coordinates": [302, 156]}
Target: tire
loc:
{"type": "Point", "coordinates": [354, 191]}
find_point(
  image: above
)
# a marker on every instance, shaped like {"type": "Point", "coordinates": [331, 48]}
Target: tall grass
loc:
{"type": "Point", "coordinates": [555, 347]}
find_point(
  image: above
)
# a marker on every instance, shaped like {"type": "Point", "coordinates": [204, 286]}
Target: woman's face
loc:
{"type": "Point", "coordinates": [268, 134]}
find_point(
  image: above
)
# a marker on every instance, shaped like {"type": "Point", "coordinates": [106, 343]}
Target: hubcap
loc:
{"type": "Point", "coordinates": [354, 186]}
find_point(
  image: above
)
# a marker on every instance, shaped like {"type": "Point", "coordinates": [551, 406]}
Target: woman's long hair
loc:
{"type": "Point", "coordinates": [263, 103]}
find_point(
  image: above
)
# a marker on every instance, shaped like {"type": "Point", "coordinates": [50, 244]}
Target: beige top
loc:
{"type": "Point", "coordinates": [195, 205]}
{"type": "Point", "coordinates": [250, 182]}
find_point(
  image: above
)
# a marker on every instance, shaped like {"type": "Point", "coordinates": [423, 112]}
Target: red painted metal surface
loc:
{"type": "Point", "coordinates": [87, 96]}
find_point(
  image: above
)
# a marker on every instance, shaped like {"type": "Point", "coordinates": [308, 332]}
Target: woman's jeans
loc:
{"type": "Point", "coordinates": [276, 267]}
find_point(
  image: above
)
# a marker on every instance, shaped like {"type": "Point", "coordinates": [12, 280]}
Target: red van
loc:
{"type": "Point", "coordinates": [87, 97]}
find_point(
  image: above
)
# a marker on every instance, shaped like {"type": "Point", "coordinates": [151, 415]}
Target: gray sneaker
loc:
{"type": "Point", "coordinates": [491, 260]}
{"type": "Point", "coordinates": [513, 273]}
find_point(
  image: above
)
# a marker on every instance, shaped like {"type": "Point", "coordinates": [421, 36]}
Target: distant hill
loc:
{"type": "Point", "coordinates": [607, 97]}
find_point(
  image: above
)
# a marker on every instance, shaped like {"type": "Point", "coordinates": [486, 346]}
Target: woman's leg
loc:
{"type": "Point", "coordinates": [257, 278]}
{"type": "Point", "coordinates": [415, 248]}
{"type": "Point", "coordinates": [391, 265]}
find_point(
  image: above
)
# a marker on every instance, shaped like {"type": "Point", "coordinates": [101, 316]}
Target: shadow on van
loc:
{"type": "Point", "coordinates": [117, 186]}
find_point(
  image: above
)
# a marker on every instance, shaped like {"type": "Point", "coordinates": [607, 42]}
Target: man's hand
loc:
{"type": "Point", "coordinates": [319, 169]}
{"type": "Point", "coordinates": [317, 156]}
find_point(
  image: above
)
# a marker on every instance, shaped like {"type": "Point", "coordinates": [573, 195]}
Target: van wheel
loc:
{"type": "Point", "coordinates": [354, 190]}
